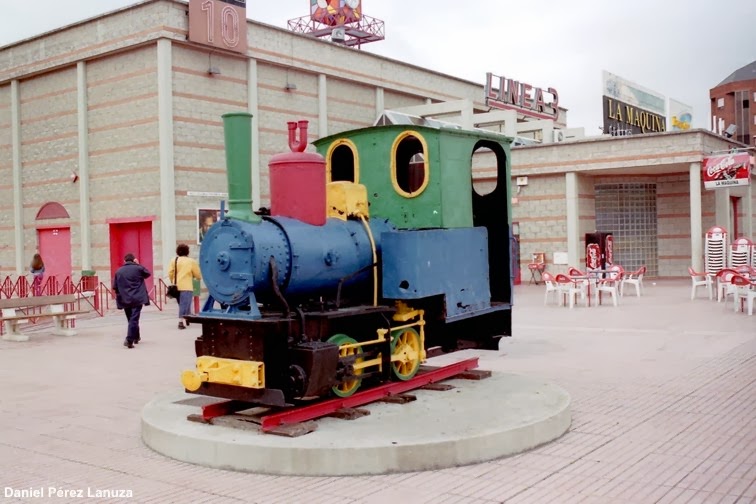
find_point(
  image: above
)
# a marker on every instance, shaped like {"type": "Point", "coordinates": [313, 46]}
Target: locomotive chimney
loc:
{"type": "Point", "coordinates": [237, 128]}
{"type": "Point", "coordinates": [301, 144]}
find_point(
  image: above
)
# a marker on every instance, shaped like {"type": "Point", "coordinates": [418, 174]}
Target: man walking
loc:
{"type": "Point", "coordinates": [131, 295]}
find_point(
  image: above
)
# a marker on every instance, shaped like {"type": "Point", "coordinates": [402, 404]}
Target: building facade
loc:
{"type": "Point", "coordinates": [111, 137]}
{"type": "Point", "coordinates": [111, 141]}
{"type": "Point", "coordinates": [733, 105]}
{"type": "Point", "coordinates": [646, 190]}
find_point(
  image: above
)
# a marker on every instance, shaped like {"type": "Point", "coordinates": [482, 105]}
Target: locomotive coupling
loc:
{"type": "Point", "coordinates": [249, 374]}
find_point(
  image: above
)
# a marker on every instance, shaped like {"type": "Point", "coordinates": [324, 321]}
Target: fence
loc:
{"type": "Point", "coordinates": [88, 290]}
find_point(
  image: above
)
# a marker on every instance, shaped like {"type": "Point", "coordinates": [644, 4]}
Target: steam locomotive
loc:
{"type": "Point", "coordinates": [376, 253]}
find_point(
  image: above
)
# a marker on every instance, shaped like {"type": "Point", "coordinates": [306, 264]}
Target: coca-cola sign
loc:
{"type": "Point", "coordinates": [592, 256]}
{"type": "Point", "coordinates": [609, 250]}
{"type": "Point", "coordinates": [726, 171]}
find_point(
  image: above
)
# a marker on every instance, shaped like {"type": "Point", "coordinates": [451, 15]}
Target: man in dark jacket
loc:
{"type": "Point", "coordinates": [131, 295]}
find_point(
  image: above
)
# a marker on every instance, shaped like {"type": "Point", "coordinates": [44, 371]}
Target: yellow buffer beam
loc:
{"type": "Point", "coordinates": [249, 374]}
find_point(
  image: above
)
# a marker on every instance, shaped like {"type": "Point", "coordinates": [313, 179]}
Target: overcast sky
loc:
{"type": "Point", "coordinates": [679, 48]}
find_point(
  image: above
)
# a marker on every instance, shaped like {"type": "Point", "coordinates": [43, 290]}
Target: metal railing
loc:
{"type": "Point", "coordinates": [88, 290]}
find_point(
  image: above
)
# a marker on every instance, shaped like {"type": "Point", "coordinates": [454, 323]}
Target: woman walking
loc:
{"type": "Point", "coordinates": [181, 272]}
{"type": "Point", "coordinates": [37, 269]}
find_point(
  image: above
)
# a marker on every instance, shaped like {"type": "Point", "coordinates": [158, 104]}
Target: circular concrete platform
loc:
{"type": "Point", "coordinates": [474, 422]}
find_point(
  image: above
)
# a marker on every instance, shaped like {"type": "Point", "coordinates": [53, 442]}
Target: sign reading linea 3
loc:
{"type": "Point", "coordinates": [219, 23]}
{"type": "Point", "coordinates": [503, 93]}
{"type": "Point", "coordinates": [726, 171]}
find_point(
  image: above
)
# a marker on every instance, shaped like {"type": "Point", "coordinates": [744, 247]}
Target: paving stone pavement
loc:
{"type": "Point", "coordinates": [664, 411]}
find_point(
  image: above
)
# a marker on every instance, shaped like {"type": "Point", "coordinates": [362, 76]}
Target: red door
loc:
{"type": "Point", "coordinates": [55, 249]}
{"type": "Point", "coordinates": [135, 238]}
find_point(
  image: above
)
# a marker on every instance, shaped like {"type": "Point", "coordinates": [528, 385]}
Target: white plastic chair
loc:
{"type": "Point", "coordinates": [743, 291]}
{"type": "Point", "coordinates": [548, 279]}
{"type": "Point", "coordinates": [610, 285]}
{"type": "Point", "coordinates": [635, 278]}
{"type": "Point", "coordinates": [699, 280]}
{"type": "Point", "coordinates": [566, 287]}
{"type": "Point", "coordinates": [725, 286]}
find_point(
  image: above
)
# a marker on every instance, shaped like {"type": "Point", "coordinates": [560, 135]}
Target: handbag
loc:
{"type": "Point", "coordinates": [173, 291]}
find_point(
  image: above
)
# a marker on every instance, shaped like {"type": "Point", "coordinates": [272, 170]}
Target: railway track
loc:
{"type": "Point", "coordinates": [298, 420]}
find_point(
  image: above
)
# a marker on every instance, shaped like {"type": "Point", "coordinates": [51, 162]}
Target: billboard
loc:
{"type": "Point", "coordinates": [335, 12]}
{"type": "Point", "coordinates": [727, 170]}
{"type": "Point", "coordinates": [630, 108]}
{"type": "Point", "coordinates": [680, 116]}
{"type": "Point", "coordinates": [633, 94]}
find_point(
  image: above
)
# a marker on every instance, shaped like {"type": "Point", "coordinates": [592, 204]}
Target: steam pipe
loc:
{"type": "Point", "coordinates": [237, 129]}
{"type": "Point", "coordinates": [294, 144]}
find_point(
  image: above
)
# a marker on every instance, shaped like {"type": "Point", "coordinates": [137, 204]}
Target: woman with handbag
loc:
{"type": "Point", "coordinates": [182, 271]}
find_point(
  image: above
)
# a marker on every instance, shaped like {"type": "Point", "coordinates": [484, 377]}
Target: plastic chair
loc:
{"type": "Point", "coordinates": [699, 280]}
{"type": "Point", "coordinates": [566, 287]}
{"type": "Point", "coordinates": [575, 272]}
{"type": "Point", "coordinates": [610, 284]}
{"type": "Point", "coordinates": [584, 285]}
{"type": "Point", "coordinates": [724, 283]}
{"type": "Point", "coordinates": [634, 278]}
{"type": "Point", "coordinates": [548, 279]}
{"type": "Point", "coordinates": [743, 291]}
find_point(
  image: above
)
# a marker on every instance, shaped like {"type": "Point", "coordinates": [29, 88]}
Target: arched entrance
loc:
{"type": "Point", "coordinates": [54, 244]}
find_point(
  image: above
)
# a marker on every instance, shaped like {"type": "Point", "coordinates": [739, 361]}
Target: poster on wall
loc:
{"type": "Point", "coordinates": [727, 170]}
{"type": "Point", "coordinates": [206, 217]}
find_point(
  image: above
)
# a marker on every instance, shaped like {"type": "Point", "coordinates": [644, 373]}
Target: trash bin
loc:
{"type": "Point", "coordinates": [88, 280]}
{"type": "Point", "coordinates": [197, 288]}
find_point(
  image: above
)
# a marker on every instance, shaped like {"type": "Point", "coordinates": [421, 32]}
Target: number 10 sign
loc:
{"type": "Point", "coordinates": [219, 23]}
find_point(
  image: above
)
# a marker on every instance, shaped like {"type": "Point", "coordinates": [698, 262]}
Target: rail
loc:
{"type": "Point", "coordinates": [87, 290]}
{"type": "Point", "coordinates": [158, 294]}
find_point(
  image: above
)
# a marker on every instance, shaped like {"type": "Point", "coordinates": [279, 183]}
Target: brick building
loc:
{"type": "Point", "coordinates": [733, 105]}
{"type": "Point", "coordinates": [111, 139]}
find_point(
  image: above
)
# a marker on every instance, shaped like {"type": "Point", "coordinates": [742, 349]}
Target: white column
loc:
{"type": "Point", "coordinates": [322, 106]}
{"type": "Point", "coordinates": [722, 210]}
{"type": "Point", "coordinates": [165, 135]}
{"type": "Point", "coordinates": [83, 123]}
{"type": "Point", "coordinates": [510, 123]}
{"type": "Point", "coordinates": [573, 218]}
{"type": "Point", "coordinates": [467, 114]}
{"type": "Point", "coordinates": [380, 105]}
{"type": "Point", "coordinates": [746, 227]}
{"type": "Point", "coordinates": [252, 108]}
{"type": "Point", "coordinates": [18, 209]}
{"type": "Point", "coordinates": [696, 227]}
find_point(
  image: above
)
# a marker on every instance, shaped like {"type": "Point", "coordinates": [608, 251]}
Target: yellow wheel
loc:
{"type": "Point", "coordinates": [348, 387]}
{"type": "Point", "coordinates": [405, 344]}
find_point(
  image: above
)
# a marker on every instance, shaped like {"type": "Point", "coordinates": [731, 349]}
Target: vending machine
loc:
{"type": "Point", "coordinates": [599, 250]}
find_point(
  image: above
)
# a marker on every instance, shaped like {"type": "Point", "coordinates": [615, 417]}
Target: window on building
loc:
{"type": "Point", "coordinates": [720, 102]}
{"type": "Point", "coordinates": [746, 103]}
{"type": "Point", "coordinates": [629, 212]}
